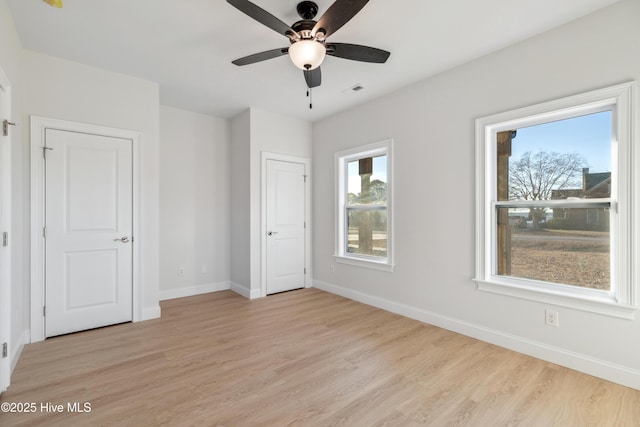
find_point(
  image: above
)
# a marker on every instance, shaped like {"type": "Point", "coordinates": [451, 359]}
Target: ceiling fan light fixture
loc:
{"type": "Point", "coordinates": [307, 54]}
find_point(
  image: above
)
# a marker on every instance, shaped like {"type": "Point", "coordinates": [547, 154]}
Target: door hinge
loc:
{"type": "Point", "coordinates": [5, 127]}
{"type": "Point", "coordinates": [305, 271]}
{"type": "Point", "coordinates": [44, 232]}
{"type": "Point", "coordinates": [5, 239]}
{"type": "Point", "coordinates": [5, 350]}
{"type": "Point", "coordinates": [44, 310]}
{"type": "Point", "coordinates": [305, 178]}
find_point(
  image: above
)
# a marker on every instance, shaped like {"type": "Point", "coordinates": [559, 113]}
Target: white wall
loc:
{"type": "Point", "coordinates": [432, 123]}
{"type": "Point", "coordinates": [254, 132]}
{"type": "Point", "coordinates": [240, 203]}
{"type": "Point", "coordinates": [194, 203]}
{"type": "Point", "coordinates": [61, 89]}
{"type": "Point", "coordinates": [271, 133]}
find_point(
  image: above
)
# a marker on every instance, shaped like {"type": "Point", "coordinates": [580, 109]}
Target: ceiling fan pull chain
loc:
{"type": "Point", "coordinates": [310, 95]}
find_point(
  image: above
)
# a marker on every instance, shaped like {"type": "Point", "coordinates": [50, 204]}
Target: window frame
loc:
{"type": "Point", "coordinates": [342, 159]}
{"type": "Point", "coordinates": [622, 299]}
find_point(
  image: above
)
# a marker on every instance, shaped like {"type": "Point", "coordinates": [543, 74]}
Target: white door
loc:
{"type": "Point", "coordinates": [88, 235]}
{"type": "Point", "coordinates": [285, 220]}
{"type": "Point", "coordinates": [5, 204]}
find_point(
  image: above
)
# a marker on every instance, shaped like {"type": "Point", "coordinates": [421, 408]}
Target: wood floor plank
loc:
{"type": "Point", "coordinates": [303, 358]}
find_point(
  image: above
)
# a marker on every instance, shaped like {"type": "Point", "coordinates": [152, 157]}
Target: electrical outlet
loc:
{"type": "Point", "coordinates": [551, 318]}
{"type": "Point", "coordinates": [181, 271]}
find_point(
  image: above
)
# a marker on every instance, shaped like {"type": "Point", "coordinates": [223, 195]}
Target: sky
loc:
{"type": "Point", "coordinates": [588, 135]}
{"type": "Point", "coordinates": [379, 172]}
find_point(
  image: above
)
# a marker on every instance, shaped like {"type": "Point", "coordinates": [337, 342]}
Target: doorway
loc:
{"type": "Point", "coordinates": [84, 220]}
{"type": "Point", "coordinates": [285, 220]}
{"type": "Point", "coordinates": [5, 226]}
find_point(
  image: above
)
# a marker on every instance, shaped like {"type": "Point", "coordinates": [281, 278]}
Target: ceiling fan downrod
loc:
{"type": "Point", "coordinates": [307, 9]}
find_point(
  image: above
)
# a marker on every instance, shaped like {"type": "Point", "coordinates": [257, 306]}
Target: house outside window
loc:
{"type": "Point", "coordinates": [555, 202]}
{"type": "Point", "coordinates": [364, 206]}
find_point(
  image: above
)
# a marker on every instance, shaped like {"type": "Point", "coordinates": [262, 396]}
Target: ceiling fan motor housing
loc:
{"type": "Point", "coordinates": [304, 28]}
{"type": "Point", "coordinates": [307, 11]}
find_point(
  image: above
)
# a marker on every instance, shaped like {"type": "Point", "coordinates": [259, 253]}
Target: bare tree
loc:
{"type": "Point", "coordinates": [536, 176]}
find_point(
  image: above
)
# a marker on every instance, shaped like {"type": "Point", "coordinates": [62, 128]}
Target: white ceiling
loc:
{"type": "Point", "coordinates": [187, 45]}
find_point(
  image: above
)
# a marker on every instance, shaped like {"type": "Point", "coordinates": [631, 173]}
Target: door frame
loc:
{"type": "Point", "coordinates": [6, 206]}
{"type": "Point", "coordinates": [266, 156]}
{"type": "Point", "coordinates": [38, 127]}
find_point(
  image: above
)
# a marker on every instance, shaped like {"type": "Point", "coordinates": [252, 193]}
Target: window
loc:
{"type": "Point", "coordinates": [555, 199]}
{"type": "Point", "coordinates": [364, 206]}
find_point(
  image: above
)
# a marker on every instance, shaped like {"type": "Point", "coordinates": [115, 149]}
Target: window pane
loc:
{"type": "Point", "coordinates": [367, 231]}
{"type": "Point", "coordinates": [367, 181]}
{"type": "Point", "coordinates": [566, 246]}
{"type": "Point", "coordinates": [563, 159]}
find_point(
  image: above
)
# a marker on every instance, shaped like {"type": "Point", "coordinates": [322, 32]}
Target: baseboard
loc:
{"type": "Point", "coordinates": [623, 375]}
{"type": "Point", "coordinates": [23, 339]}
{"type": "Point", "coordinates": [149, 313]}
{"type": "Point", "coordinates": [193, 290]}
{"type": "Point", "coordinates": [244, 291]}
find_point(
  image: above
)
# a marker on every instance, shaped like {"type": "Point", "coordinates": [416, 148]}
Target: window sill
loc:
{"type": "Point", "coordinates": [364, 263]}
{"type": "Point", "coordinates": [602, 305]}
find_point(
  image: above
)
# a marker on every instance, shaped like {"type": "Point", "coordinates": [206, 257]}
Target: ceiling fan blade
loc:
{"type": "Point", "coordinates": [357, 52]}
{"type": "Point", "coordinates": [338, 14]}
{"type": "Point", "coordinates": [262, 56]}
{"type": "Point", "coordinates": [313, 77]}
{"type": "Point", "coordinates": [262, 16]}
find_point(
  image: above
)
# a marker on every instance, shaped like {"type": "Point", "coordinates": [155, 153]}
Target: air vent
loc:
{"type": "Point", "coordinates": [353, 89]}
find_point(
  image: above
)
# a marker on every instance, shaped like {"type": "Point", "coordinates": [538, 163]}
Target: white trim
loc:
{"type": "Point", "coordinates": [193, 290]}
{"type": "Point", "coordinates": [38, 127]}
{"type": "Point", "coordinates": [149, 313]}
{"type": "Point", "coordinates": [245, 292]}
{"type": "Point", "coordinates": [341, 159]}
{"type": "Point", "coordinates": [567, 300]}
{"type": "Point", "coordinates": [23, 339]}
{"type": "Point", "coordinates": [372, 264]}
{"type": "Point", "coordinates": [623, 300]}
{"type": "Point", "coordinates": [263, 216]}
{"type": "Point", "coordinates": [5, 204]}
{"type": "Point", "coordinates": [619, 374]}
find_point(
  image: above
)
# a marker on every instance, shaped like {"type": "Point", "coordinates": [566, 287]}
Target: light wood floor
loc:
{"type": "Point", "coordinates": [305, 358]}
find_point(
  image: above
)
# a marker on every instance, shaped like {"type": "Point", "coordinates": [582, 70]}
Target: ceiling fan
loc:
{"type": "Point", "coordinates": [308, 37]}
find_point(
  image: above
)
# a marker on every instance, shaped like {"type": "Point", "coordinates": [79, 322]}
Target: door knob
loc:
{"type": "Point", "coordinates": [124, 239]}
{"type": "Point", "coordinates": [271, 233]}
